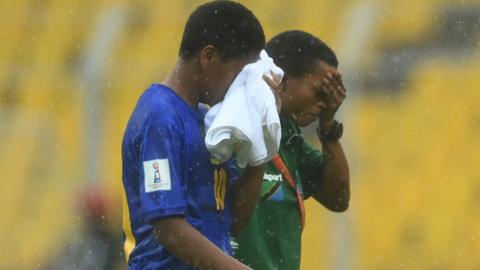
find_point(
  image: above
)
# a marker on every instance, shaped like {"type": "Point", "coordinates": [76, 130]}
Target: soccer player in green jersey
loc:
{"type": "Point", "coordinates": [312, 90]}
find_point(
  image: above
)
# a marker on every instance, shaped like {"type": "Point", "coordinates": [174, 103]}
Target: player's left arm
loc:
{"type": "Point", "coordinates": [334, 191]}
{"type": "Point", "coordinates": [246, 191]}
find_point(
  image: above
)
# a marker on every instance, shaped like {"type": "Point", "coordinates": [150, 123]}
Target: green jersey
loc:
{"type": "Point", "coordinates": [272, 238]}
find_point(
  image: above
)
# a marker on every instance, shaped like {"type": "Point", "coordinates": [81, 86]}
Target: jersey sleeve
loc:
{"type": "Point", "coordinates": [162, 184]}
{"type": "Point", "coordinates": [311, 163]}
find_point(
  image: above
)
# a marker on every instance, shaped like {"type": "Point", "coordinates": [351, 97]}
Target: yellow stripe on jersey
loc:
{"type": "Point", "coordinates": [215, 161]}
{"type": "Point", "coordinates": [215, 187]}
{"type": "Point", "coordinates": [130, 243]}
{"type": "Point", "coordinates": [223, 187]}
{"type": "Point", "coordinates": [220, 187]}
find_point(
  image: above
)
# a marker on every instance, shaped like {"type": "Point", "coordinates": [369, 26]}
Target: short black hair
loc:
{"type": "Point", "coordinates": [297, 51]}
{"type": "Point", "coordinates": [230, 27]}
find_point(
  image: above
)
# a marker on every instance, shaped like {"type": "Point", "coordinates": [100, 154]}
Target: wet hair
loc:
{"type": "Point", "coordinates": [296, 52]}
{"type": "Point", "coordinates": [230, 27]}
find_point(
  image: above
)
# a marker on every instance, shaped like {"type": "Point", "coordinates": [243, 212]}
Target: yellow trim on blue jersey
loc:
{"type": "Point", "coordinates": [223, 187]}
{"type": "Point", "coordinates": [214, 161]}
{"type": "Point", "coordinates": [130, 242]}
{"type": "Point", "coordinates": [220, 187]}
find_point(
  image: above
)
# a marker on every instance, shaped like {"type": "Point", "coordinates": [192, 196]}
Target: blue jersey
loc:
{"type": "Point", "coordinates": [168, 171]}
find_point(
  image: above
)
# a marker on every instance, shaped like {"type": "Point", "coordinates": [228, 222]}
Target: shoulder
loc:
{"type": "Point", "coordinates": [159, 100]}
{"type": "Point", "coordinates": [159, 105]}
{"type": "Point", "coordinates": [155, 110]}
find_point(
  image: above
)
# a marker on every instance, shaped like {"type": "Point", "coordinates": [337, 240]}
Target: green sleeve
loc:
{"type": "Point", "coordinates": [311, 163]}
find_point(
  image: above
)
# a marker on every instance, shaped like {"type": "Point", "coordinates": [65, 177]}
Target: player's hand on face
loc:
{"type": "Point", "coordinates": [335, 93]}
{"type": "Point", "coordinates": [275, 85]}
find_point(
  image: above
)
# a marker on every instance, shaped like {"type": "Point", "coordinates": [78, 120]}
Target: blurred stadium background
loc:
{"type": "Point", "coordinates": [71, 72]}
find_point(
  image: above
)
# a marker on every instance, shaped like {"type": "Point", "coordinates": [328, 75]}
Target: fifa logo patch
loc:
{"type": "Point", "coordinates": [156, 175]}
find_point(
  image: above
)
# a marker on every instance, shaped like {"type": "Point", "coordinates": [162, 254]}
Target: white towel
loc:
{"type": "Point", "coordinates": [246, 124]}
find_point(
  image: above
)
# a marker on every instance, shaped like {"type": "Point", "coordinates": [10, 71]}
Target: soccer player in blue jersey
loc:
{"type": "Point", "coordinates": [180, 205]}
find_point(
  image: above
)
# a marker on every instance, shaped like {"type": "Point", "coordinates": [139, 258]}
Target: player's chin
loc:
{"type": "Point", "coordinates": [214, 99]}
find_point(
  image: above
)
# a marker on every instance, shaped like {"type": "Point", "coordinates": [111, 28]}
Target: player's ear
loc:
{"type": "Point", "coordinates": [209, 55]}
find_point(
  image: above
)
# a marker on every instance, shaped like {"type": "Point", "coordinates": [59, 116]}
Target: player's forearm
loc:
{"type": "Point", "coordinates": [246, 193]}
{"type": "Point", "coordinates": [190, 246]}
{"type": "Point", "coordinates": [335, 191]}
